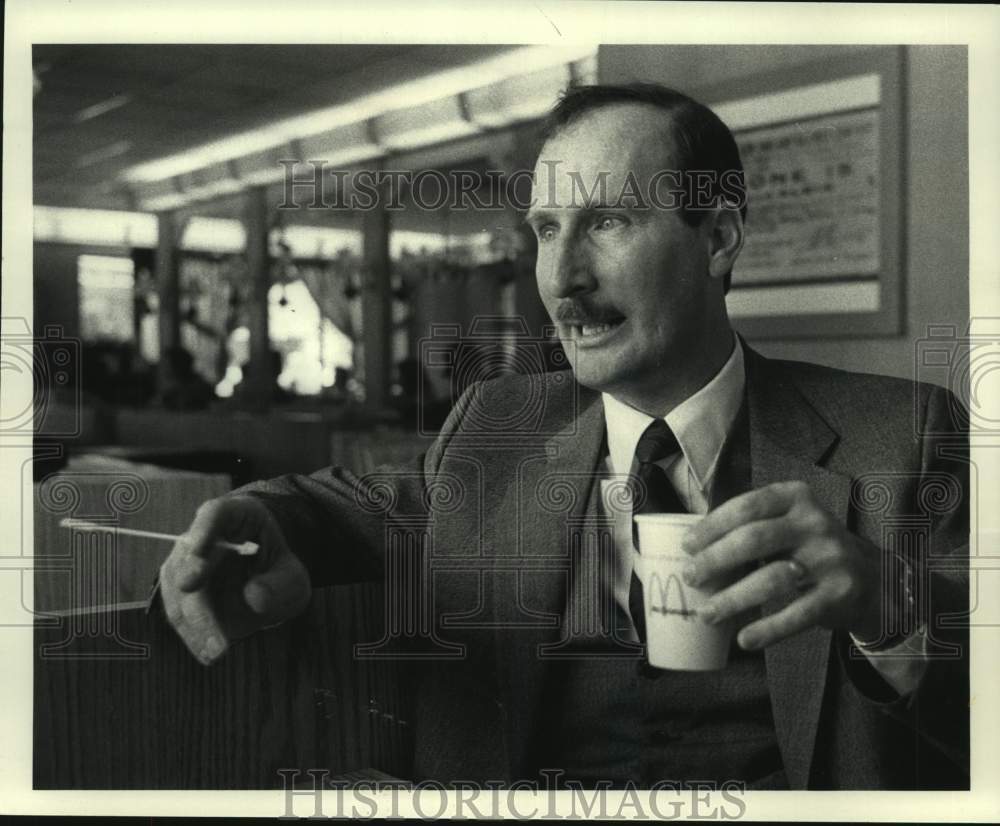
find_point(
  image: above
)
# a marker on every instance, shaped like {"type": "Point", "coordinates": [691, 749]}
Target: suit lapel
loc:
{"type": "Point", "coordinates": [788, 441]}
{"type": "Point", "coordinates": [554, 489]}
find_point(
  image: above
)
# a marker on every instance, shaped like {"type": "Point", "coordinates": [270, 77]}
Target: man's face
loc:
{"type": "Point", "coordinates": [627, 287]}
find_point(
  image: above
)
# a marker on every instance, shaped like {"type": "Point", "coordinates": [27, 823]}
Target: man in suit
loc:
{"type": "Point", "coordinates": [833, 536]}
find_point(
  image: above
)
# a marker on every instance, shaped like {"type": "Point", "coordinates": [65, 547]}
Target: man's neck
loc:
{"type": "Point", "coordinates": [674, 386]}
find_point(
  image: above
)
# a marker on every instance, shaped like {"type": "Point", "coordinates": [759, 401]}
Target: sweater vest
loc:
{"type": "Point", "coordinates": [613, 719]}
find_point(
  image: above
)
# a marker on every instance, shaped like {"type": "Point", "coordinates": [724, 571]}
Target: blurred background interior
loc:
{"type": "Point", "coordinates": [230, 324]}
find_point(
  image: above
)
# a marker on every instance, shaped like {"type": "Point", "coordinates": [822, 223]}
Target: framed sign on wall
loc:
{"type": "Point", "coordinates": [822, 151]}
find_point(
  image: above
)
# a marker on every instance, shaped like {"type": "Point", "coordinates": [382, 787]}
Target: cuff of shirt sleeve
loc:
{"type": "Point", "coordinates": [902, 666]}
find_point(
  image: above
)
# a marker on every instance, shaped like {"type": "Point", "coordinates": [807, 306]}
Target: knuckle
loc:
{"type": "Point", "coordinates": [841, 586]}
{"type": "Point", "coordinates": [183, 546]}
{"type": "Point", "coordinates": [748, 507]}
{"type": "Point", "coordinates": [755, 535]}
{"type": "Point", "coordinates": [208, 508]}
{"type": "Point", "coordinates": [811, 520]}
{"type": "Point", "coordinates": [191, 569]}
{"type": "Point", "coordinates": [799, 489]}
{"type": "Point", "coordinates": [246, 505]}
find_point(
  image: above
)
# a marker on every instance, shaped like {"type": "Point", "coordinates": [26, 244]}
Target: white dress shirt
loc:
{"type": "Point", "coordinates": [701, 424]}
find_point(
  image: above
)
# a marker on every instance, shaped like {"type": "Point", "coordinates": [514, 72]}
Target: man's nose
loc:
{"type": "Point", "coordinates": [566, 271]}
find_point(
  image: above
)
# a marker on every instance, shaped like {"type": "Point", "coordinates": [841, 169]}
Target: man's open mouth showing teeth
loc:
{"type": "Point", "coordinates": [596, 328]}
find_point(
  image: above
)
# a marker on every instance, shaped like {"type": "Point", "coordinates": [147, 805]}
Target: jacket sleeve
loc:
{"type": "Point", "coordinates": [936, 713]}
{"type": "Point", "coordinates": [336, 522]}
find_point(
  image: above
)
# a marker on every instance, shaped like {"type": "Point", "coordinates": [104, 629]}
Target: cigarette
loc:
{"type": "Point", "coordinates": [242, 548]}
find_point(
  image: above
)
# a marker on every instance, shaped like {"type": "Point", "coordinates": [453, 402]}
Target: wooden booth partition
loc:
{"type": "Point", "coordinates": [121, 704]}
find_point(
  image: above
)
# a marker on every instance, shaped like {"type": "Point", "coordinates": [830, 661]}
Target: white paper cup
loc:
{"type": "Point", "coordinates": [675, 636]}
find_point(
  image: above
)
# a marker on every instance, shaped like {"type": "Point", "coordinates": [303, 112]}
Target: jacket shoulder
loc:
{"type": "Point", "coordinates": [535, 404]}
{"type": "Point", "coordinates": [818, 379]}
{"type": "Point", "coordinates": [850, 401]}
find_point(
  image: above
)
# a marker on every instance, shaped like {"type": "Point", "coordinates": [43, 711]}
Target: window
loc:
{"type": "Point", "coordinates": [311, 347]}
{"type": "Point", "coordinates": [107, 307]}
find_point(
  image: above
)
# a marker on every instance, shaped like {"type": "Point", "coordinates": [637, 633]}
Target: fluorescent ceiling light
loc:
{"type": "Point", "coordinates": [524, 109]}
{"type": "Point", "coordinates": [102, 108]}
{"type": "Point", "coordinates": [302, 173]}
{"type": "Point", "coordinates": [226, 186]}
{"type": "Point", "coordinates": [518, 98]}
{"type": "Point", "coordinates": [94, 226]}
{"type": "Point", "coordinates": [164, 203]}
{"type": "Point", "coordinates": [132, 229]}
{"type": "Point", "coordinates": [343, 145]}
{"type": "Point", "coordinates": [319, 242]}
{"type": "Point", "coordinates": [430, 134]}
{"type": "Point", "coordinates": [210, 182]}
{"type": "Point", "coordinates": [262, 177]}
{"type": "Point", "coordinates": [262, 167]}
{"type": "Point", "coordinates": [434, 122]}
{"type": "Point", "coordinates": [112, 150]}
{"type": "Point", "coordinates": [411, 93]}
{"type": "Point", "coordinates": [353, 154]}
{"type": "Point", "coordinates": [214, 235]}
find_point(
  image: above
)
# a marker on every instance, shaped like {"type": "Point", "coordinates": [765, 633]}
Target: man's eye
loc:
{"type": "Point", "coordinates": [606, 222]}
{"type": "Point", "coordinates": [546, 233]}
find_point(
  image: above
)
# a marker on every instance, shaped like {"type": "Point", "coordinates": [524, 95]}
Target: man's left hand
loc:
{"type": "Point", "coordinates": [831, 577]}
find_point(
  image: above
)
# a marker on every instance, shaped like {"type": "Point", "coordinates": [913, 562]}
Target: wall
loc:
{"type": "Point", "coordinates": [935, 225]}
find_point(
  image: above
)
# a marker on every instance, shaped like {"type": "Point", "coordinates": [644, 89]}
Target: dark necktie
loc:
{"type": "Point", "coordinates": [654, 494]}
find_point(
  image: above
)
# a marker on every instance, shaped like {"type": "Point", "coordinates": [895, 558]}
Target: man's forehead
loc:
{"type": "Point", "coordinates": [617, 140]}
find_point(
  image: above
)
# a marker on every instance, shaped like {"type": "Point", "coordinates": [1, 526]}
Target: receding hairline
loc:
{"type": "Point", "coordinates": [638, 107]}
{"type": "Point", "coordinates": [651, 112]}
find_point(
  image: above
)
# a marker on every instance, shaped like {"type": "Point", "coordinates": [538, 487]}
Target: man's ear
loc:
{"type": "Point", "coordinates": [725, 240]}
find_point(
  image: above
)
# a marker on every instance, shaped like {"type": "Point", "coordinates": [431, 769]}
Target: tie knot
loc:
{"type": "Point", "coordinates": [656, 442]}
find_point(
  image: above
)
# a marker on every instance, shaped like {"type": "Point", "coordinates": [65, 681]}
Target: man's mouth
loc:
{"type": "Point", "coordinates": [592, 332]}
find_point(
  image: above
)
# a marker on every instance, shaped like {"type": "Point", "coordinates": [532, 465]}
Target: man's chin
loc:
{"type": "Point", "coordinates": [601, 378]}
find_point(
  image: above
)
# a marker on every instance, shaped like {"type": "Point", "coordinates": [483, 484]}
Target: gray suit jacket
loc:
{"type": "Point", "coordinates": [481, 527]}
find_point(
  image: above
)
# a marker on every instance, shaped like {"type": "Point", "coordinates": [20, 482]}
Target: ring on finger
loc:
{"type": "Point", "coordinates": [798, 572]}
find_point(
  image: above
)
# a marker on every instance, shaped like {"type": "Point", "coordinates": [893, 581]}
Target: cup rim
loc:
{"type": "Point", "coordinates": [682, 518]}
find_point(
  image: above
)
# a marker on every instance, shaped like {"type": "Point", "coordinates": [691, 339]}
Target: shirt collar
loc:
{"type": "Point", "coordinates": [700, 423]}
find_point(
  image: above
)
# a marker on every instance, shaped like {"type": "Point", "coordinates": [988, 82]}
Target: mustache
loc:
{"type": "Point", "coordinates": [583, 312]}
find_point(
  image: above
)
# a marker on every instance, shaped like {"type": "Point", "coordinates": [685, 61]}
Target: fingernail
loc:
{"type": "Point", "coordinates": [748, 642]}
{"type": "Point", "coordinates": [690, 574]}
{"type": "Point", "coordinates": [708, 613]}
{"type": "Point", "coordinates": [687, 541]}
{"type": "Point", "coordinates": [212, 649]}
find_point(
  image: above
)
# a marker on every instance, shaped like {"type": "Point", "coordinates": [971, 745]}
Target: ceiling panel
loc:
{"type": "Point", "coordinates": [182, 96]}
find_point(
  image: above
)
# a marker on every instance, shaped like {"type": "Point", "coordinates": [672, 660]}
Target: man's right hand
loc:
{"type": "Point", "coordinates": [213, 596]}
